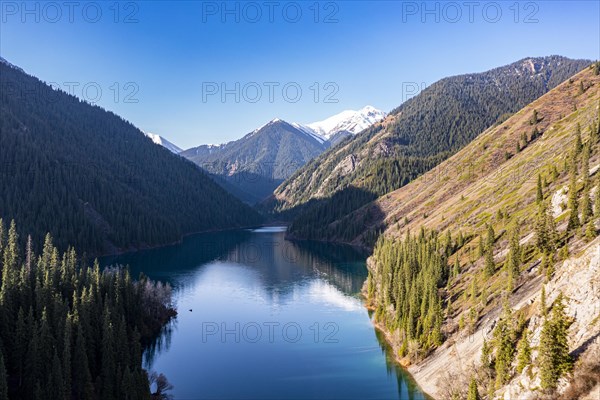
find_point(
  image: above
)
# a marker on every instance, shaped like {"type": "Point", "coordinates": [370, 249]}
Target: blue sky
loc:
{"type": "Point", "coordinates": [163, 65]}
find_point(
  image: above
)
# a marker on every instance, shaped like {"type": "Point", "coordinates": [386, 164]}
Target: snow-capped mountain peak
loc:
{"type": "Point", "coordinates": [349, 121]}
{"type": "Point", "coordinates": [164, 142]}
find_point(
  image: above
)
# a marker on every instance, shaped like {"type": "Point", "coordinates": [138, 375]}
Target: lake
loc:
{"type": "Point", "coordinates": [261, 317]}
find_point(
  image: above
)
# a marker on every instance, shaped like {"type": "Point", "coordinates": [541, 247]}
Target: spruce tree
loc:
{"type": "Point", "coordinates": [534, 118]}
{"type": "Point", "coordinates": [513, 259]}
{"type": "Point", "coordinates": [543, 305]}
{"type": "Point", "coordinates": [486, 355]}
{"type": "Point", "coordinates": [539, 194]}
{"type": "Point", "coordinates": [523, 352]}
{"type": "Point", "coordinates": [489, 264]}
{"type": "Point", "coordinates": [504, 343]}
{"type": "Point", "coordinates": [480, 248]}
{"type": "Point", "coordinates": [573, 203]}
{"type": "Point", "coordinates": [554, 359]}
{"type": "Point", "coordinates": [578, 141]}
{"type": "Point", "coordinates": [561, 324]}
{"type": "Point", "coordinates": [473, 393]}
{"type": "Point", "coordinates": [590, 231]}
{"type": "Point", "coordinates": [586, 206]}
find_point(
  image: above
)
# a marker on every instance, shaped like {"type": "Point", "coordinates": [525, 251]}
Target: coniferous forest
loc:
{"type": "Point", "coordinates": [69, 330]}
{"type": "Point", "coordinates": [93, 180]}
{"type": "Point", "coordinates": [309, 200]}
{"type": "Point", "coordinates": [422, 132]}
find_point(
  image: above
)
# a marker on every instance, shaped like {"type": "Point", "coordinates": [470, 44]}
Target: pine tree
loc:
{"type": "Point", "coordinates": [586, 206]}
{"type": "Point", "coordinates": [540, 194]}
{"type": "Point", "coordinates": [554, 359]}
{"type": "Point", "coordinates": [108, 362]}
{"type": "Point", "coordinates": [480, 248]}
{"type": "Point", "coordinates": [561, 324]}
{"type": "Point", "coordinates": [66, 357]}
{"type": "Point", "coordinates": [62, 347]}
{"type": "Point", "coordinates": [456, 268]}
{"type": "Point", "coordinates": [513, 259]}
{"type": "Point", "coordinates": [473, 393]}
{"type": "Point", "coordinates": [504, 343]}
{"type": "Point", "coordinates": [56, 382]}
{"type": "Point", "coordinates": [473, 291]}
{"type": "Point", "coordinates": [578, 141]}
{"type": "Point", "coordinates": [534, 118]}
{"type": "Point", "coordinates": [542, 235]}
{"type": "Point", "coordinates": [486, 355]}
{"type": "Point", "coordinates": [489, 264]}
{"type": "Point", "coordinates": [590, 231]}
{"type": "Point", "coordinates": [543, 305]}
{"type": "Point", "coordinates": [573, 203]}
{"type": "Point", "coordinates": [523, 352]}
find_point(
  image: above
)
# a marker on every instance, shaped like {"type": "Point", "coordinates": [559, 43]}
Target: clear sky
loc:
{"type": "Point", "coordinates": [164, 66]}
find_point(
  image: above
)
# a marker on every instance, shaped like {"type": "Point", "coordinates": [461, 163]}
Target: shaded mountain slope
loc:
{"type": "Point", "coordinates": [94, 180]}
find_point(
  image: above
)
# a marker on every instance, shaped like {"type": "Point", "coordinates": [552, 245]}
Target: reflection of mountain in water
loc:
{"type": "Point", "coordinates": [281, 263]}
{"type": "Point", "coordinates": [170, 263]}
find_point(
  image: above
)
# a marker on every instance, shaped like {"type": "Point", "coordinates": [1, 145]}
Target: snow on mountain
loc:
{"type": "Point", "coordinates": [347, 121]}
{"type": "Point", "coordinates": [310, 132]}
{"type": "Point", "coordinates": [164, 142]}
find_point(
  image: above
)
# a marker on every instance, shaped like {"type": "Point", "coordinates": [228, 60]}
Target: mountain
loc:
{"type": "Point", "coordinates": [253, 166]}
{"type": "Point", "coordinates": [157, 139]}
{"type": "Point", "coordinates": [488, 266]}
{"type": "Point", "coordinates": [95, 181]}
{"type": "Point", "coordinates": [411, 140]}
{"type": "Point", "coordinates": [346, 123]}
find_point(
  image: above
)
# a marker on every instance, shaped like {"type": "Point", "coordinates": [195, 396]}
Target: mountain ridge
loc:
{"type": "Point", "coordinates": [412, 139]}
{"type": "Point", "coordinates": [96, 181]}
{"type": "Point", "coordinates": [254, 165]}
{"type": "Point", "coordinates": [506, 182]}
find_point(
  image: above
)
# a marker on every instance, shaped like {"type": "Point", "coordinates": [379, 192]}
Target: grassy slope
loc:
{"type": "Point", "coordinates": [470, 189]}
{"type": "Point", "coordinates": [418, 117]}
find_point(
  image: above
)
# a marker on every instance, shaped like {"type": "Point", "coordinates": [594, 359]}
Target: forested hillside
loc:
{"type": "Point", "coordinates": [95, 181]}
{"type": "Point", "coordinates": [253, 166]}
{"type": "Point", "coordinates": [486, 277]}
{"type": "Point", "coordinates": [414, 138]}
{"type": "Point", "coordinates": [71, 331]}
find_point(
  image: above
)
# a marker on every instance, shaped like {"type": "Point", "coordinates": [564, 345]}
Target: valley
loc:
{"type": "Point", "coordinates": [171, 229]}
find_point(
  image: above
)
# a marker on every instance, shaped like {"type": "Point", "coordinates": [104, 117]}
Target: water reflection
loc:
{"type": "Point", "coordinates": [252, 278]}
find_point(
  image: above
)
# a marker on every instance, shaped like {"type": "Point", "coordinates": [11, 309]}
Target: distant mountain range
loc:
{"type": "Point", "coordinates": [253, 166]}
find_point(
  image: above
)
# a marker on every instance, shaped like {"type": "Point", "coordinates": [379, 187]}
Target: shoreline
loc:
{"type": "Point", "coordinates": [393, 345]}
{"type": "Point", "coordinates": [176, 242]}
